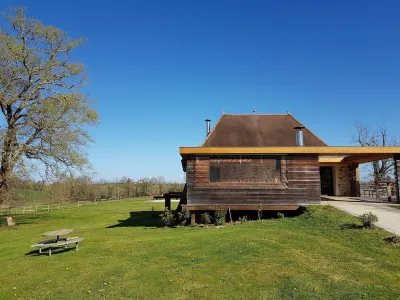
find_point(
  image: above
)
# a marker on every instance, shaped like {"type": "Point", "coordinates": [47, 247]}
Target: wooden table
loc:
{"type": "Point", "coordinates": [58, 242]}
{"type": "Point", "coordinates": [370, 192]}
{"type": "Point", "coordinates": [57, 233]}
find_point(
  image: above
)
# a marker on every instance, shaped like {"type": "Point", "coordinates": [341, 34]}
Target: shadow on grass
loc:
{"type": "Point", "coordinates": [151, 218]}
{"type": "Point", "coordinates": [31, 219]}
{"type": "Point", "coordinates": [140, 219]}
{"type": "Point", "coordinates": [393, 240]}
{"type": "Point", "coordinates": [25, 219]}
{"type": "Point", "coordinates": [46, 252]}
{"type": "Point", "coordinates": [350, 226]}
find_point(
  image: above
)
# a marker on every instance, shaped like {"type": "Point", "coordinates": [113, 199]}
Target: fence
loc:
{"type": "Point", "coordinates": [33, 209]}
{"type": "Point", "coordinates": [378, 190]}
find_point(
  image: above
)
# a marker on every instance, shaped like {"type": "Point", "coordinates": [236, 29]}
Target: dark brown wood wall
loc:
{"type": "Point", "coordinates": [302, 185]}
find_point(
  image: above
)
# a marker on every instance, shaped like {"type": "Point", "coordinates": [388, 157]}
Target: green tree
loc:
{"type": "Point", "coordinates": [45, 114]}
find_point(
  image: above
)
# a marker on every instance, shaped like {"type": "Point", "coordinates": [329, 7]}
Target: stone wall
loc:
{"type": "Point", "coordinates": [343, 181]}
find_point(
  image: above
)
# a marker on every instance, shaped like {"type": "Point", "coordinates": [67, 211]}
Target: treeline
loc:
{"type": "Point", "coordinates": [84, 188]}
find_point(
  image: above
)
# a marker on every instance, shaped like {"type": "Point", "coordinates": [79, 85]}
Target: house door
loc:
{"type": "Point", "coordinates": [326, 181]}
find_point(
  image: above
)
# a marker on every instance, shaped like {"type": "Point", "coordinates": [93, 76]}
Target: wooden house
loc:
{"type": "Point", "coordinates": [269, 162]}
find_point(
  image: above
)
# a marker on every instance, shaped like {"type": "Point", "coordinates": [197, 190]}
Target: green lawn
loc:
{"type": "Point", "coordinates": [31, 197]}
{"type": "Point", "coordinates": [306, 257]}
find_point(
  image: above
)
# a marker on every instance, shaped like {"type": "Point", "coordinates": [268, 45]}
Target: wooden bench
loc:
{"type": "Point", "coordinates": [61, 243]}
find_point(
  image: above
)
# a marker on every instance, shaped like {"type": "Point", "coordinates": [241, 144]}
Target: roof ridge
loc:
{"type": "Point", "coordinates": [284, 114]}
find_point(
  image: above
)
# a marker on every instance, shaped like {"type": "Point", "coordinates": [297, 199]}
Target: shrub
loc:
{"type": "Point", "coordinates": [368, 219]}
{"type": "Point", "coordinates": [280, 215]}
{"type": "Point", "coordinates": [219, 217]}
{"type": "Point", "coordinates": [393, 240]}
{"type": "Point", "coordinates": [167, 217]}
{"type": "Point", "coordinates": [182, 217]}
{"type": "Point", "coordinates": [243, 219]}
{"type": "Point", "coordinates": [205, 218]}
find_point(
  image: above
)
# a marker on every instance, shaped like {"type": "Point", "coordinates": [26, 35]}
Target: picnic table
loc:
{"type": "Point", "coordinates": [58, 242]}
{"type": "Point", "coordinates": [370, 192]}
{"type": "Point", "coordinates": [57, 233]}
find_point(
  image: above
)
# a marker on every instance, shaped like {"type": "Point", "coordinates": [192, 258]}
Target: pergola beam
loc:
{"type": "Point", "coordinates": [360, 159]}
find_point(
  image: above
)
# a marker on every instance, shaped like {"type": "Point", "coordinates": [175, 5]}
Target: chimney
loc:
{"type": "Point", "coordinates": [299, 136]}
{"type": "Point", "coordinates": [207, 126]}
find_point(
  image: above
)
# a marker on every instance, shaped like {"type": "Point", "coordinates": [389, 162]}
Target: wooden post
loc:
{"type": "Point", "coordinates": [192, 218]}
{"type": "Point", "coordinates": [396, 159]}
{"type": "Point", "coordinates": [167, 201]}
{"type": "Point", "coordinates": [354, 183]}
{"type": "Point", "coordinates": [10, 221]}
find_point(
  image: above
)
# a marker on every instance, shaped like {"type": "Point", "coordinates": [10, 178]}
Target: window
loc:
{"type": "Point", "coordinates": [246, 170]}
{"type": "Point", "coordinates": [215, 174]}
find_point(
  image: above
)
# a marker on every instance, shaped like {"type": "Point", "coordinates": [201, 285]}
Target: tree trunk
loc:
{"type": "Point", "coordinates": [6, 160]}
{"type": "Point", "coordinates": [6, 168]}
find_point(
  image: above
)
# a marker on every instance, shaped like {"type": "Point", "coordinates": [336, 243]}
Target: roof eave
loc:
{"type": "Point", "coordinates": [328, 150]}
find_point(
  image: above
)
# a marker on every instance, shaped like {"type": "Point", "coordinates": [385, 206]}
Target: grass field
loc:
{"type": "Point", "coordinates": [127, 256]}
{"type": "Point", "coordinates": [29, 197]}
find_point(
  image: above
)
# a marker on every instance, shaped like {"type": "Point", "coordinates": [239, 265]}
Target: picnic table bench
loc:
{"type": "Point", "coordinates": [58, 242]}
{"type": "Point", "coordinates": [370, 192]}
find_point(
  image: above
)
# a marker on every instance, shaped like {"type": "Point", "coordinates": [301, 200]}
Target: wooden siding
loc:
{"type": "Point", "coordinates": [301, 185]}
{"type": "Point", "coordinates": [241, 207]}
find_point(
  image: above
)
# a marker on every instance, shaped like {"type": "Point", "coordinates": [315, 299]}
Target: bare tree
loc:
{"type": "Point", "coordinates": [380, 170]}
{"type": "Point", "coordinates": [44, 114]}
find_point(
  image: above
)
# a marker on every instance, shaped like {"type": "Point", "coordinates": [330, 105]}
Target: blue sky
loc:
{"type": "Point", "coordinates": [157, 69]}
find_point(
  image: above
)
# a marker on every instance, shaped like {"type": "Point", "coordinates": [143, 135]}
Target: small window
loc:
{"type": "Point", "coordinates": [215, 174]}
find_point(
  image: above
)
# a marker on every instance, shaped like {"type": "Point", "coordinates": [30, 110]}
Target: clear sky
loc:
{"type": "Point", "coordinates": [159, 68]}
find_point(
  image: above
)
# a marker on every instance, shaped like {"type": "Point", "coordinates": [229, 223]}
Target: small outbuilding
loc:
{"type": "Point", "coordinates": [270, 162]}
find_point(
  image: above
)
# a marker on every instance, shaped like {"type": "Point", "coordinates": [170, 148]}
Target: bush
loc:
{"type": "Point", "coordinates": [182, 217]}
{"type": "Point", "coordinates": [280, 215]}
{"type": "Point", "coordinates": [243, 219]}
{"type": "Point", "coordinates": [368, 219]}
{"type": "Point", "coordinates": [205, 218]}
{"type": "Point", "coordinates": [167, 217]}
{"type": "Point", "coordinates": [219, 217]}
{"type": "Point", "coordinates": [393, 240]}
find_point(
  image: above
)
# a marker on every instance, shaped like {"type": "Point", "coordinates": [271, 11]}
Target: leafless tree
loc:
{"type": "Point", "coordinates": [380, 170]}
